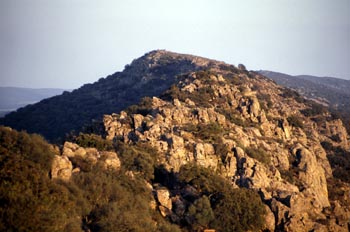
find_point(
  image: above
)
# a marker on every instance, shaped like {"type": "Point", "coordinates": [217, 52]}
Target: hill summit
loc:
{"type": "Point", "coordinates": [148, 75]}
{"type": "Point", "coordinates": [208, 145]}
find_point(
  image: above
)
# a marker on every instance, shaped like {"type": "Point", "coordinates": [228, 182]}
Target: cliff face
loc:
{"type": "Point", "coordinates": [247, 129]}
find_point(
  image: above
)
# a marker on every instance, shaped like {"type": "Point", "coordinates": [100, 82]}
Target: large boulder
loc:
{"type": "Point", "coordinates": [61, 168]}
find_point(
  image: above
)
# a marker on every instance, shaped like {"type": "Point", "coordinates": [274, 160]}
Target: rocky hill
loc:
{"type": "Point", "coordinates": [149, 75]}
{"type": "Point", "coordinates": [219, 148]}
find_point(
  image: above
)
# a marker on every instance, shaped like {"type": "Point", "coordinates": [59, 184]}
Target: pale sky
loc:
{"type": "Point", "coordinates": [67, 43]}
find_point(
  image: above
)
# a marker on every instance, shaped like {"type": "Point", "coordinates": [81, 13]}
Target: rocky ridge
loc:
{"type": "Point", "coordinates": [248, 129]}
{"type": "Point", "coordinates": [149, 75]}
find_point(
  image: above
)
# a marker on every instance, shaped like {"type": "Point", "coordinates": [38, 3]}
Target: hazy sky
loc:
{"type": "Point", "coordinates": [66, 43]}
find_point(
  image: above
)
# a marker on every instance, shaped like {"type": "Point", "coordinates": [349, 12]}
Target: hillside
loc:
{"type": "Point", "coordinates": [225, 149]}
{"type": "Point", "coordinates": [12, 98]}
{"type": "Point", "coordinates": [149, 75]}
{"type": "Point", "coordinates": [329, 91]}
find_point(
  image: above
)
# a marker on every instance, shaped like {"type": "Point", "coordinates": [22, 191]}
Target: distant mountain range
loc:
{"type": "Point", "coordinates": [330, 91]}
{"type": "Point", "coordinates": [13, 98]}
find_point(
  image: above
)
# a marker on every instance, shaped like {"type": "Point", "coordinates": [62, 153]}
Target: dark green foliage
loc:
{"type": "Point", "coordinates": [230, 68]}
{"type": "Point", "coordinates": [139, 158]}
{"type": "Point", "coordinates": [200, 213]}
{"type": "Point", "coordinates": [265, 101]}
{"type": "Point", "coordinates": [291, 175]}
{"type": "Point", "coordinates": [288, 93]}
{"type": "Point", "coordinates": [339, 160]}
{"type": "Point", "coordinates": [31, 147]}
{"type": "Point", "coordinates": [95, 199]}
{"type": "Point", "coordinates": [144, 107]}
{"type": "Point", "coordinates": [202, 179]}
{"type": "Point", "coordinates": [295, 121]}
{"type": "Point", "coordinates": [29, 200]}
{"type": "Point", "coordinates": [115, 201]}
{"type": "Point", "coordinates": [210, 133]}
{"type": "Point", "coordinates": [239, 210]}
{"type": "Point", "coordinates": [259, 154]}
{"type": "Point", "coordinates": [234, 209]}
{"type": "Point", "coordinates": [201, 96]}
{"type": "Point", "coordinates": [93, 140]}
{"type": "Point", "coordinates": [233, 116]}
{"type": "Point", "coordinates": [314, 110]}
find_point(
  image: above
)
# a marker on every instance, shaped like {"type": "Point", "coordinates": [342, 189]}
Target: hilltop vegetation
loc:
{"type": "Point", "coordinates": [109, 200]}
{"type": "Point", "coordinates": [149, 75]}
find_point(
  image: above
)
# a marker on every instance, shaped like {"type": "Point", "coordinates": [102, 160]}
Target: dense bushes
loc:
{"type": "Point", "coordinates": [139, 158]}
{"type": "Point", "coordinates": [29, 200]}
{"type": "Point", "coordinates": [93, 200]}
{"type": "Point", "coordinates": [144, 107]}
{"type": "Point", "coordinates": [295, 121]}
{"type": "Point", "coordinates": [259, 154]}
{"type": "Point", "coordinates": [209, 133]}
{"type": "Point", "coordinates": [92, 140]}
{"type": "Point", "coordinates": [314, 109]}
{"type": "Point", "coordinates": [339, 160]}
{"type": "Point", "coordinates": [289, 93]}
{"type": "Point", "coordinates": [201, 96]}
{"type": "Point", "coordinates": [96, 199]}
{"type": "Point", "coordinates": [233, 209]}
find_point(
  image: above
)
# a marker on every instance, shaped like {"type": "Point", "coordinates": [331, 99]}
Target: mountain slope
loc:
{"type": "Point", "coordinates": [12, 98]}
{"type": "Point", "coordinates": [224, 148]}
{"type": "Point", "coordinates": [257, 134]}
{"type": "Point", "coordinates": [149, 75]}
{"type": "Point", "coordinates": [330, 91]}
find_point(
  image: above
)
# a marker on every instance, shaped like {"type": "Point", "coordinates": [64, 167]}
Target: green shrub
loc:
{"type": "Point", "coordinates": [30, 201]}
{"type": "Point", "coordinates": [259, 154]}
{"type": "Point", "coordinates": [210, 133]}
{"type": "Point", "coordinates": [339, 160]}
{"type": "Point", "coordinates": [201, 178]}
{"type": "Point", "coordinates": [94, 200]}
{"type": "Point", "coordinates": [92, 140]}
{"type": "Point", "coordinates": [289, 93]}
{"type": "Point", "coordinates": [265, 101]}
{"type": "Point", "coordinates": [239, 210]}
{"type": "Point", "coordinates": [200, 214]}
{"type": "Point", "coordinates": [234, 209]}
{"type": "Point", "coordinates": [295, 121]}
{"type": "Point", "coordinates": [314, 109]}
{"type": "Point", "coordinates": [233, 117]}
{"type": "Point", "coordinates": [140, 158]}
{"type": "Point", "coordinates": [201, 97]}
{"type": "Point", "coordinates": [144, 107]}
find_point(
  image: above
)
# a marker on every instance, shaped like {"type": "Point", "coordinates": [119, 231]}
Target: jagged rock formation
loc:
{"type": "Point", "coordinates": [242, 125]}
{"type": "Point", "coordinates": [68, 161]}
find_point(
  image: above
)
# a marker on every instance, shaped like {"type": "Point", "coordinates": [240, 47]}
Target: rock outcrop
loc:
{"type": "Point", "coordinates": [64, 165]}
{"type": "Point", "coordinates": [244, 133]}
{"type": "Point", "coordinates": [61, 168]}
